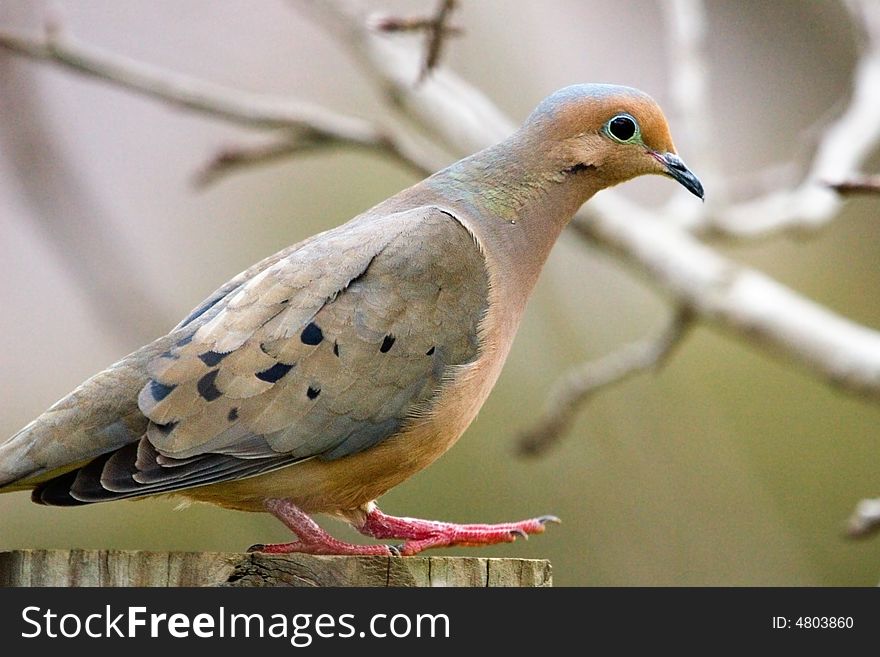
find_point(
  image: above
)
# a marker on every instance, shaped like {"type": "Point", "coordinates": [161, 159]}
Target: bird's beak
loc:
{"type": "Point", "coordinates": [677, 170]}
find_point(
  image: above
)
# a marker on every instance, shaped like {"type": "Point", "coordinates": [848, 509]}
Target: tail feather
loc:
{"type": "Point", "coordinates": [99, 417]}
{"type": "Point", "coordinates": [56, 492]}
{"type": "Point", "coordinates": [117, 475]}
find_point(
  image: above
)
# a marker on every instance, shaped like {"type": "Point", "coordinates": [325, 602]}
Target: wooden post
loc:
{"type": "Point", "coordinates": [135, 568]}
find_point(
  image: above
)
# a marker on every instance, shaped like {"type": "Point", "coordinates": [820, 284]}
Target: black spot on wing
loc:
{"type": "Point", "coordinates": [312, 334]}
{"type": "Point", "coordinates": [233, 415]}
{"type": "Point", "coordinates": [274, 373]}
{"type": "Point", "coordinates": [336, 349]}
{"type": "Point", "coordinates": [211, 358]}
{"type": "Point", "coordinates": [387, 343]}
{"type": "Point", "coordinates": [312, 393]}
{"type": "Point", "coordinates": [430, 352]}
{"type": "Point", "coordinates": [207, 388]}
{"type": "Point", "coordinates": [159, 390]}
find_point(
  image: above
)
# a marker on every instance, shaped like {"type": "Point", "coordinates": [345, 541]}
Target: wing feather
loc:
{"type": "Point", "coordinates": [327, 351]}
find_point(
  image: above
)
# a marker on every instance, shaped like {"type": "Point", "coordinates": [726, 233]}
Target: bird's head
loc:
{"type": "Point", "coordinates": [615, 133]}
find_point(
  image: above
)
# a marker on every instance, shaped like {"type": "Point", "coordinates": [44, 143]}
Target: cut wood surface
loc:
{"type": "Point", "coordinates": [136, 568]}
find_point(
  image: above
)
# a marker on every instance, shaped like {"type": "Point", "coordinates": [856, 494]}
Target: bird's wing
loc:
{"type": "Point", "coordinates": [323, 354]}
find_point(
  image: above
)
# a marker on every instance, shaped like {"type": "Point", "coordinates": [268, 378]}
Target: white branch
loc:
{"type": "Point", "coordinates": [306, 125]}
{"type": "Point", "coordinates": [743, 301]}
{"type": "Point", "coordinates": [865, 519]}
{"type": "Point", "coordinates": [393, 68]}
{"type": "Point", "coordinates": [845, 146]}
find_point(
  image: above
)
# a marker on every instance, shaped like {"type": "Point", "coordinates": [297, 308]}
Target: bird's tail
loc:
{"type": "Point", "coordinates": [15, 466]}
{"type": "Point", "coordinates": [98, 417]}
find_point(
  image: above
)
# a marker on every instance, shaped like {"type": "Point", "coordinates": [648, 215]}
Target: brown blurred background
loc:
{"type": "Point", "coordinates": [728, 468]}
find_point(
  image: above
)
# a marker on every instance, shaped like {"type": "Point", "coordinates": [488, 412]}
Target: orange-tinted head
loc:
{"type": "Point", "coordinates": [616, 132]}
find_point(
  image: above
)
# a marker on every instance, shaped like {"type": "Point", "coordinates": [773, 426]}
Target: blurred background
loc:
{"type": "Point", "coordinates": [727, 468]}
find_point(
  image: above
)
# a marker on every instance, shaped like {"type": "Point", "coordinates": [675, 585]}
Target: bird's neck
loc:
{"type": "Point", "coordinates": [518, 180]}
{"type": "Point", "coordinates": [520, 196]}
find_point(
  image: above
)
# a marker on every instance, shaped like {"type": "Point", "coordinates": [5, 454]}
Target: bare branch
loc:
{"type": "Point", "coordinates": [235, 157]}
{"type": "Point", "coordinates": [838, 156]}
{"type": "Point", "coordinates": [436, 28]}
{"type": "Point", "coordinates": [436, 37]}
{"type": "Point", "coordinates": [415, 24]}
{"type": "Point", "coordinates": [309, 126]}
{"type": "Point", "coordinates": [444, 106]}
{"type": "Point", "coordinates": [865, 519]}
{"type": "Point", "coordinates": [232, 158]}
{"type": "Point", "coordinates": [579, 385]}
{"type": "Point", "coordinates": [857, 185]}
{"type": "Point", "coordinates": [231, 104]}
{"type": "Point", "coordinates": [743, 301]}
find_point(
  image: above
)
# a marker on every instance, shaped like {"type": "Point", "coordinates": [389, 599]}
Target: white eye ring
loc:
{"type": "Point", "coordinates": [623, 128]}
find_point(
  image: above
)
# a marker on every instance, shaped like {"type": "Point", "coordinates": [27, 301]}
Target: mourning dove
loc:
{"type": "Point", "coordinates": [332, 371]}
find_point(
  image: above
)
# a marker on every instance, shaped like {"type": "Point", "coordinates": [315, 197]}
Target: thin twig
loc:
{"type": "Point", "coordinates": [307, 125]}
{"type": "Point", "coordinates": [232, 158]}
{"type": "Point", "coordinates": [444, 106]}
{"type": "Point", "coordinates": [436, 28]}
{"type": "Point", "coordinates": [235, 157]}
{"type": "Point", "coordinates": [394, 24]}
{"type": "Point", "coordinates": [578, 386]}
{"type": "Point", "coordinates": [857, 185]}
{"type": "Point", "coordinates": [436, 37]}
{"type": "Point", "coordinates": [171, 87]}
{"type": "Point", "coordinates": [865, 519]}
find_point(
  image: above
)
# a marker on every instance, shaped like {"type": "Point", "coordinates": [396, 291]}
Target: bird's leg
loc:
{"type": "Point", "coordinates": [423, 534]}
{"type": "Point", "coordinates": [312, 539]}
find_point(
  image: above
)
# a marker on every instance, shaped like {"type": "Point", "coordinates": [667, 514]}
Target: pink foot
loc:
{"type": "Point", "coordinates": [312, 539]}
{"type": "Point", "coordinates": [423, 534]}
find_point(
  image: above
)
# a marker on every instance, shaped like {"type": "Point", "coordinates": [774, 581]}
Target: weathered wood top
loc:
{"type": "Point", "coordinates": [136, 568]}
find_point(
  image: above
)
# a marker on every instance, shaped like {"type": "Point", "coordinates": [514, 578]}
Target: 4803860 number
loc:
{"type": "Point", "coordinates": [824, 622]}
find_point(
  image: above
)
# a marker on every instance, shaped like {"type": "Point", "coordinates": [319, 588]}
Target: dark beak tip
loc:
{"type": "Point", "coordinates": [677, 170]}
{"type": "Point", "coordinates": [695, 189]}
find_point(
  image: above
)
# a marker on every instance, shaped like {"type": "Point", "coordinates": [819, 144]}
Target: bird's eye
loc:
{"type": "Point", "coordinates": [623, 128]}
